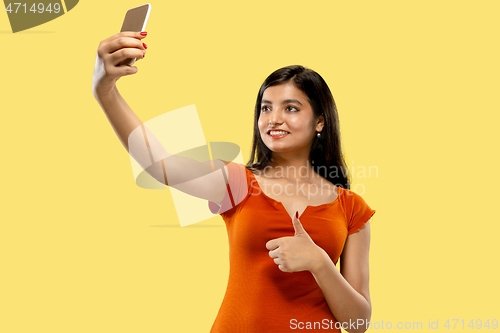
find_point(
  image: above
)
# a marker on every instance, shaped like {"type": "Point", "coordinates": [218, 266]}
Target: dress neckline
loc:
{"type": "Point", "coordinates": [307, 206]}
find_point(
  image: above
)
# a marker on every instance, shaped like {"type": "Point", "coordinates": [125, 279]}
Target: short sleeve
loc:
{"type": "Point", "coordinates": [357, 212]}
{"type": "Point", "coordinates": [237, 188]}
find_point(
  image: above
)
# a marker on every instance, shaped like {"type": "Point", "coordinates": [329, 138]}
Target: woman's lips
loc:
{"type": "Point", "coordinates": [278, 136]}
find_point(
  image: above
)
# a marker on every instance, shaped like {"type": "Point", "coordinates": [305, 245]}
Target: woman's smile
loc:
{"type": "Point", "coordinates": [277, 134]}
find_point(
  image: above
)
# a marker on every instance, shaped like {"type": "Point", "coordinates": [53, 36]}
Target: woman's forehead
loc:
{"type": "Point", "coordinates": [284, 91]}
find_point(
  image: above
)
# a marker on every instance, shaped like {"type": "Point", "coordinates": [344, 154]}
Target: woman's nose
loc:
{"type": "Point", "coordinates": [276, 117]}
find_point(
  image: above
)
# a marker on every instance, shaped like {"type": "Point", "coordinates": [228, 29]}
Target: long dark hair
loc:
{"type": "Point", "coordinates": [326, 155]}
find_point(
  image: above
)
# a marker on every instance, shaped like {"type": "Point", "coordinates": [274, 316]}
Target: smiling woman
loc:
{"type": "Point", "coordinates": [290, 218]}
{"type": "Point", "coordinates": [299, 97]}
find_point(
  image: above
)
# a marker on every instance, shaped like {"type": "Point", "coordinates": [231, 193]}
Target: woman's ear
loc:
{"type": "Point", "coordinates": [320, 123]}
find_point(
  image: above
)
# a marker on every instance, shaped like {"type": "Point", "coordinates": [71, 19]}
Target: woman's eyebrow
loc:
{"type": "Point", "coordinates": [286, 101]}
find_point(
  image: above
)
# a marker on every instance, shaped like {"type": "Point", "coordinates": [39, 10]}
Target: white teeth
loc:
{"type": "Point", "coordinates": [277, 132]}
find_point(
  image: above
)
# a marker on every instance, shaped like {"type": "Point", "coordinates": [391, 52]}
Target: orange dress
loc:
{"type": "Point", "coordinates": [260, 298]}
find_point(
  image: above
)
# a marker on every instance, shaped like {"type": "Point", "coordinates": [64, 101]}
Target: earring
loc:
{"type": "Point", "coordinates": [318, 134]}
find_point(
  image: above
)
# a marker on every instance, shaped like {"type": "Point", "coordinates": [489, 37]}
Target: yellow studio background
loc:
{"type": "Point", "coordinates": [84, 249]}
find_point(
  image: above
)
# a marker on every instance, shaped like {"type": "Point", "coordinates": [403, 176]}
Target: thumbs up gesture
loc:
{"type": "Point", "coordinates": [296, 253]}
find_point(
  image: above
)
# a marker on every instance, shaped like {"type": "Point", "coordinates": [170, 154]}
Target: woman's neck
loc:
{"type": "Point", "coordinates": [291, 168]}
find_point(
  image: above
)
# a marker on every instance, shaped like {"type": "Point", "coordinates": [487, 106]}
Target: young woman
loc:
{"type": "Point", "coordinates": [289, 213]}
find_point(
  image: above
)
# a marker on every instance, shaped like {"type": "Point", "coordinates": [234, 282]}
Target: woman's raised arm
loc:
{"type": "Point", "coordinates": [186, 174]}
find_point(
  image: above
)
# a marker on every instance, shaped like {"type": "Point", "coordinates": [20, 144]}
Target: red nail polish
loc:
{"type": "Point", "coordinates": [144, 33]}
{"type": "Point", "coordinates": [145, 46]}
{"type": "Point", "coordinates": [297, 214]}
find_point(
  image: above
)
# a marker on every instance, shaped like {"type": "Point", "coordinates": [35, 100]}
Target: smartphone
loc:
{"type": "Point", "coordinates": [135, 20]}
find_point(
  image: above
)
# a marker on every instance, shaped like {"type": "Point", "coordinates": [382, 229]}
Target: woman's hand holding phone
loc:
{"type": "Point", "coordinates": [116, 54]}
{"type": "Point", "coordinates": [111, 52]}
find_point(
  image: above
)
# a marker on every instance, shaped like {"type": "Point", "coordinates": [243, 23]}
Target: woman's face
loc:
{"type": "Point", "coordinates": [287, 108]}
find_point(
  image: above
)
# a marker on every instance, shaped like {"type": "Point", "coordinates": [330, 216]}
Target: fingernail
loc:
{"type": "Point", "coordinates": [144, 33]}
{"type": "Point", "coordinates": [145, 46]}
{"type": "Point", "coordinates": [297, 214]}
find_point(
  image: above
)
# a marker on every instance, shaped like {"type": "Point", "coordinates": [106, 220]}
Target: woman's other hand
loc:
{"type": "Point", "coordinates": [111, 52]}
{"type": "Point", "coordinates": [296, 253]}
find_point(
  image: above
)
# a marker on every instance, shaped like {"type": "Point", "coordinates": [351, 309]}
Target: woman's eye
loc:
{"type": "Point", "coordinates": [289, 108]}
